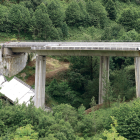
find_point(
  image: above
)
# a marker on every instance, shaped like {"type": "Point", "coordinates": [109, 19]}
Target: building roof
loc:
{"type": "Point", "coordinates": [16, 89]}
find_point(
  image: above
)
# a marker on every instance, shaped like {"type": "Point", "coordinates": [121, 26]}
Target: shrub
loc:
{"type": "Point", "coordinates": [86, 125]}
{"type": "Point", "coordinates": [66, 112]}
{"type": "Point", "coordinates": [13, 117]}
{"type": "Point", "coordinates": [25, 133]}
{"type": "Point", "coordinates": [112, 133]}
{"type": "Point", "coordinates": [127, 116]}
{"type": "Point", "coordinates": [62, 130]}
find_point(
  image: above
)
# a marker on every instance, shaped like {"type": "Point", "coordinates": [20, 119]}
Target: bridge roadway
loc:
{"type": "Point", "coordinates": [102, 49]}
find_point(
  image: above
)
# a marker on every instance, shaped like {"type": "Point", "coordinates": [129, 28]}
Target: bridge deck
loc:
{"type": "Point", "coordinates": [77, 48]}
{"type": "Point", "coordinates": [130, 46]}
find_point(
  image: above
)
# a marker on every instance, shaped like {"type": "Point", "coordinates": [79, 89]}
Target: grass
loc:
{"type": "Point", "coordinates": [5, 37]}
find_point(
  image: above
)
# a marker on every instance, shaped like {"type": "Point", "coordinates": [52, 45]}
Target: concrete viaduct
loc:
{"type": "Point", "coordinates": [102, 49]}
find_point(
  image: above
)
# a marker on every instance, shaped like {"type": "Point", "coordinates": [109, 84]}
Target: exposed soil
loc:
{"type": "Point", "coordinates": [53, 67]}
{"type": "Point", "coordinates": [31, 80]}
{"type": "Point", "coordinates": [97, 107]}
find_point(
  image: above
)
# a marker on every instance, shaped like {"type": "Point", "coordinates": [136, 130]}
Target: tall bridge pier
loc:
{"type": "Point", "coordinates": [103, 76]}
{"type": "Point", "coordinates": [40, 76]}
{"type": "Point", "coordinates": [137, 75]}
{"type": "Point", "coordinates": [102, 49]}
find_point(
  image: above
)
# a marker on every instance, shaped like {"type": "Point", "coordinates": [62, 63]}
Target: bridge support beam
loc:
{"type": "Point", "coordinates": [137, 75]}
{"type": "Point", "coordinates": [40, 76]}
{"type": "Point", "coordinates": [103, 74]}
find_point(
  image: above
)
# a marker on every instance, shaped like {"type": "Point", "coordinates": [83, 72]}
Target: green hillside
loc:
{"type": "Point", "coordinates": [71, 92]}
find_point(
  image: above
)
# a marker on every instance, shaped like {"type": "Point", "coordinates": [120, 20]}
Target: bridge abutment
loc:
{"type": "Point", "coordinates": [40, 76]}
{"type": "Point", "coordinates": [103, 76]}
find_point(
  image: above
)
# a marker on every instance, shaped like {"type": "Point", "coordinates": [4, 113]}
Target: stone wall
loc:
{"type": "Point", "coordinates": [12, 65]}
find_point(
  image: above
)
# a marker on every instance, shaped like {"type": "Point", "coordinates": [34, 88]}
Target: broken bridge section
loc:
{"type": "Point", "coordinates": [102, 49]}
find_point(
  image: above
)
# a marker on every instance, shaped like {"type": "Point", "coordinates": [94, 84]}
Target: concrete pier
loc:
{"type": "Point", "coordinates": [103, 74]}
{"type": "Point", "coordinates": [137, 76]}
{"type": "Point", "coordinates": [40, 75]}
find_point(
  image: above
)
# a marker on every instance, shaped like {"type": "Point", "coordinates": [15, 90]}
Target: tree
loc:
{"type": "Point", "coordinates": [84, 77]}
{"type": "Point", "coordinates": [129, 18]}
{"type": "Point", "coordinates": [19, 17]}
{"type": "Point", "coordinates": [55, 13]}
{"type": "Point", "coordinates": [4, 22]}
{"type": "Point", "coordinates": [43, 8]}
{"type": "Point", "coordinates": [27, 4]}
{"type": "Point", "coordinates": [64, 29]}
{"type": "Point", "coordinates": [36, 3]}
{"type": "Point", "coordinates": [97, 14]}
{"type": "Point", "coordinates": [50, 137]}
{"type": "Point", "coordinates": [138, 25]}
{"type": "Point", "coordinates": [42, 25]}
{"type": "Point", "coordinates": [131, 35]}
{"type": "Point", "coordinates": [68, 113]}
{"type": "Point", "coordinates": [84, 14]}
{"type": "Point", "coordinates": [121, 83]}
{"type": "Point", "coordinates": [111, 9]}
{"type": "Point", "coordinates": [105, 1]}
{"type": "Point", "coordinates": [76, 81]}
{"type": "Point", "coordinates": [63, 93]}
{"type": "Point", "coordinates": [73, 15]}
{"type": "Point", "coordinates": [113, 31]}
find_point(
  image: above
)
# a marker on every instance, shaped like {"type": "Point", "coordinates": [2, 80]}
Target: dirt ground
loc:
{"type": "Point", "coordinates": [53, 66]}
{"type": "Point", "coordinates": [97, 107]}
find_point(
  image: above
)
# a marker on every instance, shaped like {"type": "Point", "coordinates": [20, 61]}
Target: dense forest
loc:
{"type": "Point", "coordinates": [75, 20]}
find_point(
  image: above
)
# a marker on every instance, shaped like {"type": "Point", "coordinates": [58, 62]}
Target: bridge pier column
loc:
{"type": "Point", "coordinates": [137, 76]}
{"type": "Point", "coordinates": [40, 76]}
{"type": "Point", "coordinates": [103, 73]}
